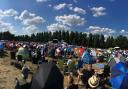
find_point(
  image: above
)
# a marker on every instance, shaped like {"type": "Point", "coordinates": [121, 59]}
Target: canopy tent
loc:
{"type": "Point", "coordinates": [48, 76]}
{"type": "Point", "coordinates": [81, 50]}
{"type": "Point", "coordinates": [87, 58]}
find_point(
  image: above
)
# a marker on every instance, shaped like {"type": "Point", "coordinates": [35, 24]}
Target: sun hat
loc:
{"type": "Point", "coordinates": [93, 81]}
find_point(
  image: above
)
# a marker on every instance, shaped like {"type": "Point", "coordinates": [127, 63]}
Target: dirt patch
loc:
{"type": "Point", "coordinates": [8, 74]}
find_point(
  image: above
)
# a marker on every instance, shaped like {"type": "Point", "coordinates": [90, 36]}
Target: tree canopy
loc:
{"type": "Point", "coordinates": [73, 38]}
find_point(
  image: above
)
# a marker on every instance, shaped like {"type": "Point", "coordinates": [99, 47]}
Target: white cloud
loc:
{"type": "Point", "coordinates": [30, 29]}
{"type": "Point", "coordinates": [34, 21]}
{"type": "Point", "coordinates": [78, 10]}
{"type": "Point", "coordinates": [75, 1]}
{"type": "Point", "coordinates": [6, 27]}
{"type": "Point", "coordinates": [10, 12]}
{"type": "Point", "coordinates": [69, 5]}
{"type": "Point", "coordinates": [7, 13]}
{"type": "Point", "coordinates": [41, 0]}
{"type": "Point", "coordinates": [60, 6]}
{"type": "Point", "coordinates": [70, 20]}
{"type": "Point", "coordinates": [30, 22]}
{"type": "Point", "coordinates": [86, 33]}
{"type": "Point", "coordinates": [49, 5]}
{"type": "Point", "coordinates": [28, 18]}
{"type": "Point", "coordinates": [122, 31]}
{"type": "Point", "coordinates": [106, 36]}
{"type": "Point", "coordinates": [100, 30]}
{"type": "Point", "coordinates": [25, 15]}
{"type": "Point", "coordinates": [57, 27]}
{"type": "Point", "coordinates": [98, 11]}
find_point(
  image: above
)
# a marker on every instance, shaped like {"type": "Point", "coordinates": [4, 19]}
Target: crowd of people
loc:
{"type": "Point", "coordinates": [86, 68]}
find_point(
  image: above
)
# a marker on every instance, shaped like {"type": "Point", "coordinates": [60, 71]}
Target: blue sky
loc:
{"type": "Point", "coordinates": [108, 17]}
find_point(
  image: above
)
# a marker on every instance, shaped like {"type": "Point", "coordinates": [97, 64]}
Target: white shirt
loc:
{"type": "Point", "coordinates": [117, 60]}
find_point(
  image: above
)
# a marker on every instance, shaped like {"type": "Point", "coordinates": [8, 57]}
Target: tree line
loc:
{"type": "Point", "coordinates": [73, 38]}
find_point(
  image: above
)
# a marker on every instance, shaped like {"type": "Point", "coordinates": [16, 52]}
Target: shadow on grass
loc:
{"type": "Point", "coordinates": [3, 54]}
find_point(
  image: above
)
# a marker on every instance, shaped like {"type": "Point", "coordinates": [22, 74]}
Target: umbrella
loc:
{"type": "Point", "coordinates": [87, 58]}
{"type": "Point", "coordinates": [112, 62]}
{"type": "Point", "coordinates": [119, 77]}
{"type": "Point", "coordinates": [48, 76]}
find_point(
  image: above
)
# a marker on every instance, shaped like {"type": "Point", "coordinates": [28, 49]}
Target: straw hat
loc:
{"type": "Point", "coordinates": [93, 81]}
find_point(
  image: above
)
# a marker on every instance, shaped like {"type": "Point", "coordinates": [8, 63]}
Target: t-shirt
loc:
{"type": "Point", "coordinates": [86, 75]}
{"type": "Point", "coordinates": [117, 60]}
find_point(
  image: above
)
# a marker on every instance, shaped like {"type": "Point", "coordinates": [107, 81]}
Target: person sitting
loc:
{"type": "Point", "coordinates": [21, 82]}
{"type": "Point", "coordinates": [87, 73]}
{"type": "Point", "coordinates": [25, 71]}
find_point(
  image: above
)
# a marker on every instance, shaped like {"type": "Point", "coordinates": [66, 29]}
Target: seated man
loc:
{"type": "Point", "coordinates": [25, 71]}
{"type": "Point", "coordinates": [21, 82]}
{"type": "Point", "coordinates": [87, 73]}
